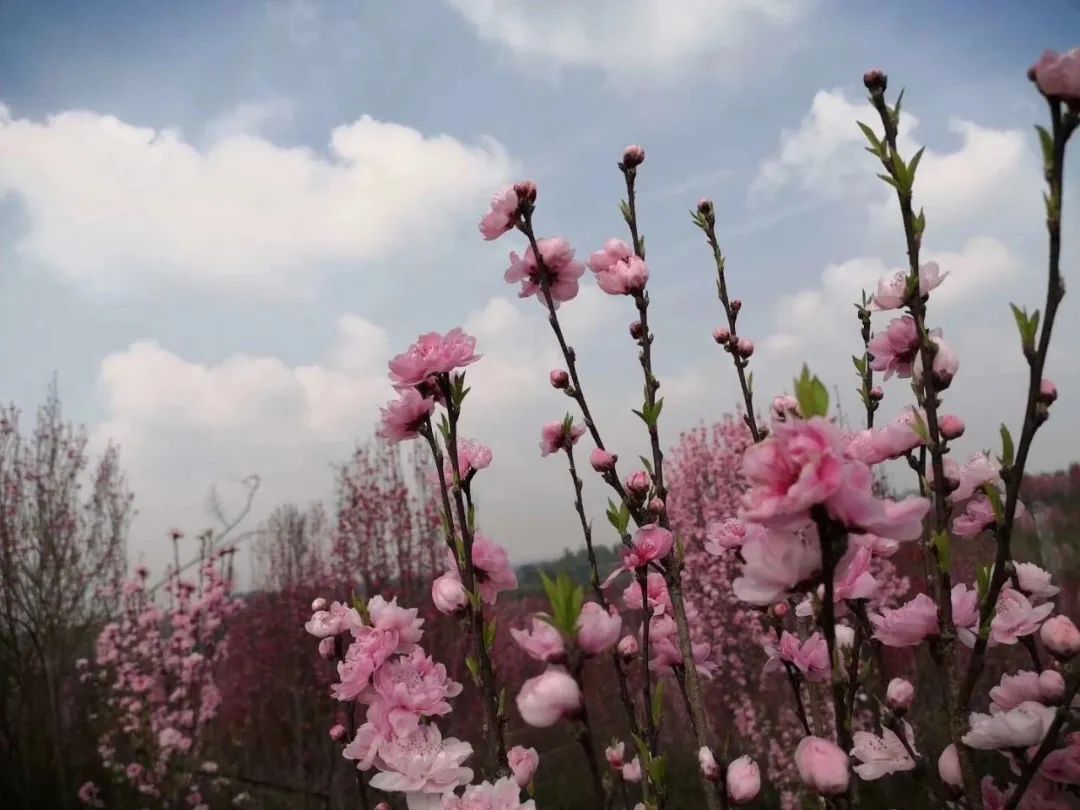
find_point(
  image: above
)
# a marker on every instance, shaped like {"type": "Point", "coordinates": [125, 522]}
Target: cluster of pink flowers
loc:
{"type": "Point", "coordinates": [157, 665]}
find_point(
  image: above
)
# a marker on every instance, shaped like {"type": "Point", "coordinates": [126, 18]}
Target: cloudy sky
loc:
{"type": "Point", "coordinates": [218, 222]}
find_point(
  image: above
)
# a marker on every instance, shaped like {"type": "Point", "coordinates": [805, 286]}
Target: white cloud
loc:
{"type": "Point", "coordinates": [113, 205]}
{"type": "Point", "coordinates": [636, 39]}
{"type": "Point", "coordinates": [251, 118]}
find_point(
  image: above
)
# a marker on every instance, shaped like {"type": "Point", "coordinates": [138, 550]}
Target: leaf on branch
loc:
{"type": "Point", "coordinates": [943, 546]}
{"type": "Point", "coordinates": [1007, 448]}
{"type": "Point", "coordinates": [811, 394]}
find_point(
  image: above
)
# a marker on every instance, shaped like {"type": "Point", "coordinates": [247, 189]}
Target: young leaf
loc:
{"type": "Point", "coordinates": [1046, 140]}
{"type": "Point", "coordinates": [1007, 449]}
{"type": "Point", "coordinates": [995, 501]}
{"type": "Point", "coordinates": [913, 166]}
{"type": "Point", "coordinates": [657, 708]}
{"type": "Point", "coordinates": [944, 550]}
{"type": "Point", "coordinates": [811, 394]}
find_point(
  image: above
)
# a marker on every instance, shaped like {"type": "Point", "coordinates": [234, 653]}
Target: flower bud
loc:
{"type": "Point", "coordinates": [898, 695]}
{"type": "Point", "coordinates": [781, 609]}
{"type": "Point", "coordinates": [628, 647]}
{"type": "Point", "coordinates": [1047, 392]}
{"type": "Point", "coordinates": [875, 81]}
{"type": "Point", "coordinates": [637, 330]}
{"type": "Point", "coordinates": [952, 426]}
{"type": "Point", "coordinates": [736, 305]}
{"type": "Point", "coordinates": [876, 394]}
{"type": "Point", "coordinates": [526, 190]}
{"type": "Point", "coordinates": [449, 595]}
{"type": "Point", "coordinates": [1051, 686]}
{"type": "Point", "coordinates": [318, 604]}
{"type": "Point", "coordinates": [948, 766]}
{"type": "Point", "coordinates": [745, 347]}
{"type": "Point", "coordinates": [559, 379]}
{"type": "Point", "coordinates": [721, 335]}
{"type": "Point", "coordinates": [656, 506]}
{"type": "Point", "coordinates": [638, 483]}
{"type": "Point", "coordinates": [709, 769]}
{"type": "Point", "coordinates": [633, 156]}
{"type": "Point", "coordinates": [1060, 636]}
{"type": "Point", "coordinates": [615, 754]}
{"type": "Point", "coordinates": [822, 765]}
{"type": "Point", "coordinates": [337, 732]}
{"type": "Point", "coordinates": [326, 648]}
{"type": "Point", "coordinates": [523, 763]}
{"type": "Point", "coordinates": [548, 698]}
{"type": "Point", "coordinates": [631, 771]}
{"type": "Point", "coordinates": [602, 461]}
{"type": "Point", "coordinates": [706, 209]}
{"type": "Point", "coordinates": [743, 780]}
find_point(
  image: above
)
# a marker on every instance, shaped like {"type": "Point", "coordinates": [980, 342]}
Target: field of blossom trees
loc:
{"type": "Point", "coordinates": [781, 608]}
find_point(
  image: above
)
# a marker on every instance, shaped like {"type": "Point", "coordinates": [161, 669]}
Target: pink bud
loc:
{"type": "Point", "coordinates": [952, 426]}
{"type": "Point", "coordinates": [636, 330]}
{"type": "Point", "coordinates": [1051, 686]}
{"type": "Point", "coordinates": [876, 394]}
{"type": "Point", "coordinates": [743, 780]}
{"type": "Point", "coordinates": [549, 697]}
{"type": "Point", "coordinates": [628, 647]}
{"type": "Point", "coordinates": [638, 483]}
{"type": "Point", "coordinates": [822, 765]}
{"type": "Point", "coordinates": [602, 461]}
{"type": "Point", "coordinates": [736, 305]}
{"type": "Point", "coordinates": [781, 609]}
{"type": "Point", "coordinates": [1060, 636]}
{"type": "Point", "coordinates": [337, 732]}
{"type": "Point", "coordinates": [523, 764]}
{"type": "Point", "coordinates": [318, 604]}
{"type": "Point", "coordinates": [449, 595]}
{"type": "Point", "coordinates": [382, 806]}
{"type": "Point", "coordinates": [142, 572]}
{"type": "Point", "coordinates": [875, 81]}
{"type": "Point", "coordinates": [709, 769]}
{"type": "Point", "coordinates": [597, 629]}
{"type": "Point", "coordinates": [326, 648]}
{"type": "Point", "coordinates": [1047, 392]}
{"type": "Point", "coordinates": [948, 766]}
{"type": "Point", "coordinates": [745, 347]}
{"type": "Point", "coordinates": [656, 506]}
{"type": "Point", "coordinates": [525, 190]}
{"type": "Point", "coordinates": [559, 379]}
{"type": "Point", "coordinates": [614, 754]}
{"type": "Point", "coordinates": [631, 771]}
{"type": "Point", "coordinates": [633, 155]}
{"type": "Point", "coordinates": [721, 335]}
{"type": "Point", "coordinates": [899, 694]}
{"type": "Point", "coordinates": [705, 206]}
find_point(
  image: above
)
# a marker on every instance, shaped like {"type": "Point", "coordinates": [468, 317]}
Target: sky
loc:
{"type": "Point", "coordinates": [218, 221]}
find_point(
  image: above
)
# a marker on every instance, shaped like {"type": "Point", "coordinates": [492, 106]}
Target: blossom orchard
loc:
{"type": "Point", "coordinates": [156, 666]}
{"type": "Point", "coordinates": [809, 542]}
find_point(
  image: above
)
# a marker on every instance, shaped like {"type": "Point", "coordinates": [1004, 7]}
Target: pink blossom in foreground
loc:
{"type": "Point", "coordinates": [412, 686]}
{"type": "Point", "coordinates": [730, 533]}
{"type": "Point", "coordinates": [1060, 636]}
{"type": "Point", "coordinates": [891, 289]}
{"type": "Point", "coordinates": [881, 756]}
{"type": "Point", "coordinates": [853, 579]}
{"type": "Point", "coordinates": [448, 594]}
{"type": "Point", "coordinates": [978, 470]}
{"type": "Point", "coordinates": [743, 780]}
{"type": "Point", "coordinates": [1035, 582]}
{"type": "Point", "coordinates": [472, 457]}
{"type": "Point", "coordinates": [541, 642]}
{"type": "Point", "coordinates": [334, 621]}
{"type": "Point", "coordinates": [561, 435]}
{"type": "Point", "coordinates": [1021, 727]}
{"type": "Point", "coordinates": [372, 733]}
{"type": "Point", "coordinates": [558, 261]}
{"type": "Point", "coordinates": [523, 764]}
{"type": "Point", "coordinates": [432, 353]}
{"type": "Point", "coordinates": [774, 564]}
{"type": "Point", "coordinates": [388, 616]}
{"type": "Point", "coordinates": [638, 483]}
{"type": "Point", "coordinates": [1015, 617]}
{"type": "Point", "coordinates": [503, 794]}
{"type": "Point", "coordinates": [895, 349]}
{"type": "Point", "coordinates": [907, 625]}
{"type": "Point", "coordinates": [811, 657]}
{"type": "Point", "coordinates": [548, 698]}
{"type": "Point", "coordinates": [598, 630]}
{"type": "Point", "coordinates": [856, 506]}
{"type": "Point", "coordinates": [822, 766]}
{"type": "Point", "coordinates": [422, 762]}
{"type": "Point", "coordinates": [502, 215]}
{"type": "Point", "coordinates": [602, 461]}
{"type": "Point", "coordinates": [1058, 74]}
{"type": "Point", "coordinates": [368, 652]}
{"type": "Point", "coordinates": [618, 270]}
{"type": "Point", "coordinates": [977, 517]}
{"type": "Point", "coordinates": [949, 767]}
{"type": "Point", "coordinates": [1045, 687]}
{"type": "Point", "coordinates": [655, 590]}
{"type": "Point", "coordinates": [651, 542]}
{"type": "Point", "coordinates": [492, 564]}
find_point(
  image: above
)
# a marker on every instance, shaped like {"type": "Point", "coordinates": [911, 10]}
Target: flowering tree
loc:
{"type": "Point", "coordinates": [803, 542]}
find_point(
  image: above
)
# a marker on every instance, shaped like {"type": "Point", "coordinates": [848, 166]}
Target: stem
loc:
{"type": "Point", "coordinates": [830, 535]}
{"type": "Point", "coordinates": [868, 373]}
{"type": "Point", "coordinates": [585, 740]}
{"type": "Point", "coordinates": [796, 690]}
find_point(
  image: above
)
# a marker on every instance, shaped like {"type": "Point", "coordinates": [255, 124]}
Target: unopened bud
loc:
{"type": "Point", "coordinates": [875, 81]}
{"type": "Point", "coordinates": [656, 506]}
{"type": "Point", "coordinates": [736, 305]}
{"type": "Point", "coordinates": [709, 769]}
{"type": "Point", "coordinates": [638, 483]}
{"type": "Point", "coordinates": [706, 209]}
{"type": "Point", "coordinates": [721, 335]}
{"type": "Point", "coordinates": [633, 156]}
{"type": "Point", "coordinates": [318, 604]}
{"type": "Point", "coordinates": [337, 732]}
{"type": "Point", "coordinates": [952, 426]}
{"type": "Point", "coordinates": [602, 461]}
{"type": "Point", "coordinates": [559, 379]}
{"type": "Point", "coordinates": [876, 394]}
{"type": "Point", "coordinates": [636, 330]}
{"type": "Point", "coordinates": [781, 609]}
{"type": "Point", "coordinates": [628, 647]}
{"type": "Point", "coordinates": [326, 648]}
{"type": "Point", "coordinates": [1048, 392]}
{"type": "Point", "coordinates": [899, 695]}
{"type": "Point", "coordinates": [745, 347]}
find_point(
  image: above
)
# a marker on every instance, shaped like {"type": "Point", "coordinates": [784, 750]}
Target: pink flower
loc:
{"type": "Point", "coordinates": [1060, 636]}
{"type": "Point", "coordinates": [891, 290]}
{"type": "Point", "coordinates": [631, 771]}
{"type": "Point", "coordinates": [776, 563]}
{"type": "Point", "coordinates": [502, 215]}
{"type": "Point", "coordinates": [907, 625]}
{"type": "Point", "coordinates": [559, 379]}
{"type": "Point", "coordinates": [666, 654]}
{"type": "Point", "coordinates": [549, 697]}
{"type": "Point", "coordinates": [638, 483]}
{"type": "Point", "coordinates": [614, 755]}
{"type": "Point", "coordinates": [945, 364]}
{"type": "Point", "coordinates": [523, 764]}
{"type": "Point", "coordinates": [822, 766]}
{"type": "Point", "coordinates": [1058, 75]}
{"type": "Point", "coordinates": [90, 795]}
{"type": "Point", "coordinates": [951, 426]}
{"type": "Point", "coordinates": [561, 435]}
{"type": "Point", "coordinates": [723, 535]}
{"type": "Point", "coordinates": [618, 270]}
{"type": "Point", "coordinates": [1035, 582]}
{"type": "Point", "coordinates": [743, 780]}
{"type": "Point", "coordinates": [899, 695]}
{"type": "Point", "coordinates": [543, 642]}
{"type": "Point", "coordinates": [602, 461]}
{"type": "Point", "coordinates": [364, 747]}
{"type": "Point", "coordinates": [327, 648]}
{"type": "Point", "coordinates": [651, 542]}
{"type": "Point", "coordinates": [412, 686]}
{"type": "Point", "coordinates": [1021, 727]}
{"type": "Point", "coordinates": [388, 616]}
{"type": "Point", "coordinates": [895, 349]}
{"type": "Point", "coordinates": [597, 629]}
{"type": "Point", "coordinates": [448, 594]}
{"type": "Point", "coordinates": [1026, 686]}
{"type": "Point", "coordinates": [333, 622]}
{"type": "Point", "coordinates": [948, 766]}
{"type": "Point", "coordinates": [633, 156]}
{"type": "Point", "coordinates": [656, 593]}
{"type": "Point", "coordinates": [494, 573]}
{"type": "Point", "coordinates": [472, 457]}
{"type": "Point", "coordinates": [853, 579]}
{"type": "Point", "coordinates": [811, 657]}
{"type": "Point", "coordinates": [881, 756]}
{"type": "Point", "coordinates": [558, 262]}
{"type": "Point", "coordinates": [707, 762]}
{"type": "Point", "coordinates": [784, 406]}
{"type": "Point", "coordinates": [856, 506]}
{"type": "Point", "coordinates": [504, 794]}
{"type": "Point", "coordinates": [978, 470]}
{"type": "Point", "coordinates": [366, 654]}
{"type": "Point", "coordinates": [893, 440]}
{"type": "Point", "coordinates": [422, 762]}
{"type": "Point", "coordinates": [1063, 765]}
{"type": "Point", "coordinates": [1015, 617]}
{"type": "Point", "coordinates": [432, 353]}
{"type": "Point", "coordinates": [977, 517]}
{"type": "Point", "coordinates": [965, 611]}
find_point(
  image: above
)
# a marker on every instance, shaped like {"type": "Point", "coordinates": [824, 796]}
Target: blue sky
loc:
{"type": "Point", "coordinates": [219, 220]}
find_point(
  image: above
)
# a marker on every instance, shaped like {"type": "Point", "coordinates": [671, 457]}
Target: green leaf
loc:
{"type": "Point", "coordinates": [658, 772]}
{"type": "Point", "coordinates": [942, 544]}
{"type": "Point", "coordinates": [646, 464]}
{"type": "Point", "coordinates": [657, 708]}
{"type": "Point", "coordinates": [1046, 140]}
{"type": "Point", "coordinates": [982, 579]}
{"type": "Point", "coordinates": [920, 429]}
{"type": "Point", "coordinates": [750, 382]}
{"type": "Point", "coordinates": [1007, 448]}
{"type": "Point", "coordinates": [624, 209]}
{"type": "Point", "coordinates": [860, 364]}
{"type": "Point", "coordinates": [871, 136]}
{"type": "Point", "coordinates": [474, 669]}
{"type": "Point", "coordinates": [913, 166]}
{"type": "Point", "coordinates": [812, 396]}
{"type": "Point", "coordinates": [489, 634]}
{"type": "Point", "coordinates": [920, 220]}
{"type": "Point", "coordinates": [890, 181]}
{"type": "Point", "coordinates": [995, 501]}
